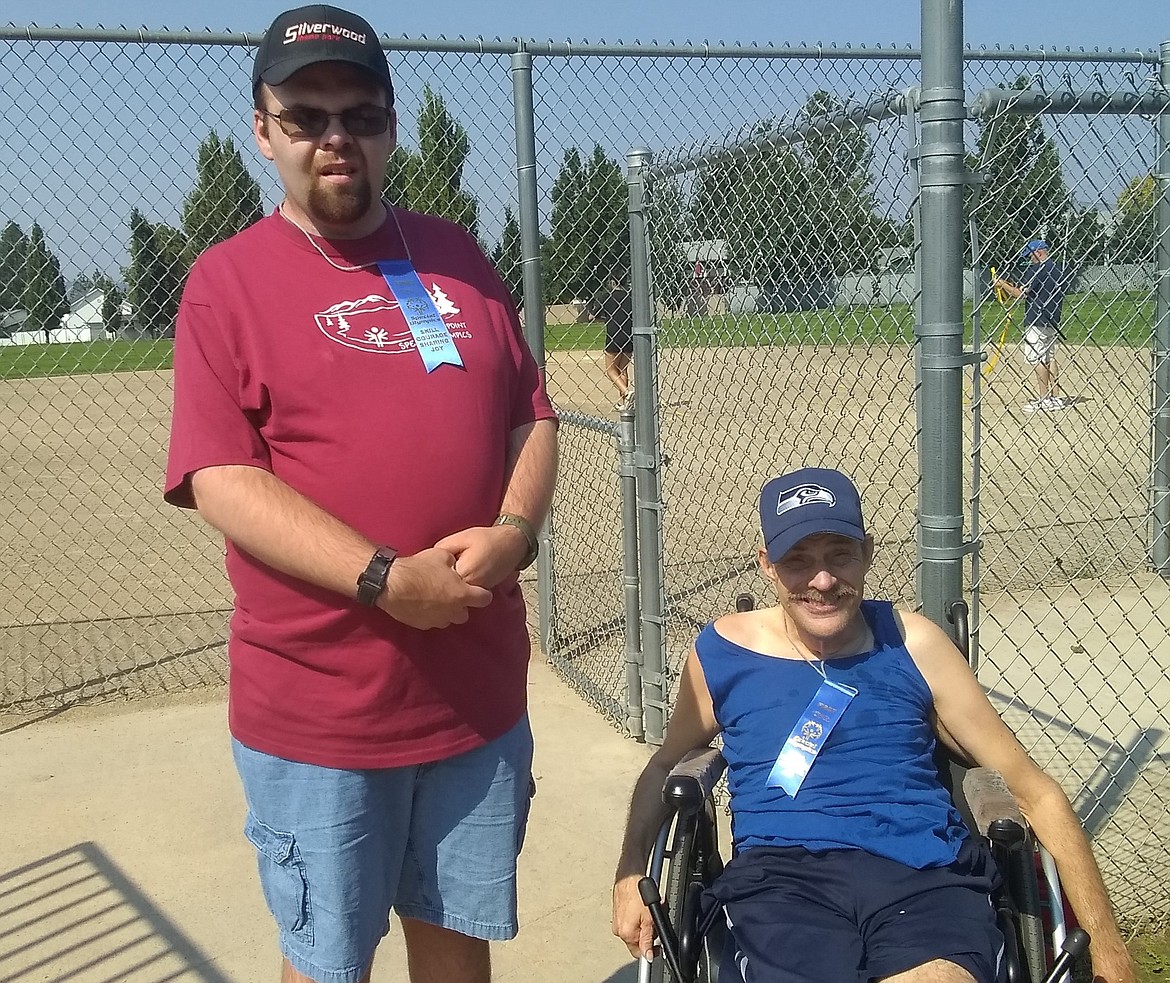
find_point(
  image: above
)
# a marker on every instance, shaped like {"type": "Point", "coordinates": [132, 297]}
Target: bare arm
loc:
{"type": "Point", "coordinates": [969, 724]}
{"type": "Point", "coordinates": [280, 527]}
{"type": "Point", "coordinates": [692, 725]}
{"type": "Point", "coordinates": [487, 555]}
{"type": "Point", "coordinates": [1009, 288]}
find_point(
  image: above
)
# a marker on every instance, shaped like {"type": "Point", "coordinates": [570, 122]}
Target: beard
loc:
{"type": "Point", "coordinates": [340, 206]}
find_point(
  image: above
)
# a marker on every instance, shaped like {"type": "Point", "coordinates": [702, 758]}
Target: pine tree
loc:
{"type": "Point", "coordinates": [431, 180]}
{"type": "Point", "coordinates": [13, 250]}
{"type": "Point", "coordinates": [508, 258]}
{"type": "Point", "coordinates": [225, 199]}
{"type": "Point", "coordinates": [157, 270]}
{"type": "Point", "coordinates": [1024, 195]}
{"type": "Point", "coordinates": [43, 293]}
{"type": "Point", "coordinates": [567, 268]}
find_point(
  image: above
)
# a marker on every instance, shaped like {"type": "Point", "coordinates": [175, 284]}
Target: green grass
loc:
{"type": "Point", "coordinates": [1103, 319]}
{"type": "Point", "coordinates": [84, 358]}
{"type": "Point", "coordinates": [1151, 952]}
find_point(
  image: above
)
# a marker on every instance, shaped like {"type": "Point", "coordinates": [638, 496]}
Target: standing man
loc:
{"type": "Point", "coordinates": [615, 309]}
{"type": "Point", "coordinates": [357, 412]}
{"type": "Point", "coordinates": [1043, 288]}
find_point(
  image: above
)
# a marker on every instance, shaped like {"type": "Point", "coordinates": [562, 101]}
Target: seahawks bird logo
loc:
{"type": "Point", "coordinates": [794, 498]}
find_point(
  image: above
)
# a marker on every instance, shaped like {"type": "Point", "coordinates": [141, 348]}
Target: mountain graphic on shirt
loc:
{"type": "Point", "coordinates": [370, 325]}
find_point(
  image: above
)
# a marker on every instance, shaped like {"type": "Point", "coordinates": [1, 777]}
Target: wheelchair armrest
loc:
{"type": "Point", "coordinates": [993, 807]}
{"type": "Point", "coordinates": [693, 779]}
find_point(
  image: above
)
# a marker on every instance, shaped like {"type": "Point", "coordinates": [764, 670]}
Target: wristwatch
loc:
{"type": "Point", "coordinates": [373, 579]}
{"type": "Point", "coordinates": [507, 519]}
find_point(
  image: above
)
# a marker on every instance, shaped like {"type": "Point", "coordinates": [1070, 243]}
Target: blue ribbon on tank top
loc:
{"type": "Point", "coordinates": [431, 336]}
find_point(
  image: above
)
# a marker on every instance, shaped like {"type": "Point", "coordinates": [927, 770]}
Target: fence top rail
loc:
{"type": "Point", "coordinates": [876, 110]}
{"type": "Point", "coordinates": [1030, 102]}
{"type": "Point", "coordinates": [507, 46]}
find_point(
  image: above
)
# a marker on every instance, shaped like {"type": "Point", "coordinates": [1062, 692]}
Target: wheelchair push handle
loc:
{"type": "Point", "coordinates": [1072, 947]}
{"type": "Point", "coordinates": [667, 940]}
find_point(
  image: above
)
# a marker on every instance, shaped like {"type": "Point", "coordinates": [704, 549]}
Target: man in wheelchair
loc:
{"type": "Point", "coordinates": [850, 860]}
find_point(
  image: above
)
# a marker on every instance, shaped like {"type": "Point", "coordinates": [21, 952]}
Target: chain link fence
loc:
{"type": "Point", "coordinates": [780, 200]}
{"type": "Point", "coordinates": [1069, 589]}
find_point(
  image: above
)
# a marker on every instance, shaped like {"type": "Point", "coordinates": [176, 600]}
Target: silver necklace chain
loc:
{"type": "Point", "coordinates": [325, 256]}
{"type": "Point", "coordinates": [818, 665]}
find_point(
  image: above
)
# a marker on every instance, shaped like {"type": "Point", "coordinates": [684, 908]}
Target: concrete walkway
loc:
{"type": "Point", "coordinates": [121, 857]}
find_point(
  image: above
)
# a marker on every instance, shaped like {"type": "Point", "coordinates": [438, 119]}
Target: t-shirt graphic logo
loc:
{"type": "Point", "coordinates": [443, 303]}
{"type": "Point", "coordinates": [375, 323]}
{"type": "Point", "coordinates": [366, 325]}
{"type": "Point", "coordinates": [794, 498]}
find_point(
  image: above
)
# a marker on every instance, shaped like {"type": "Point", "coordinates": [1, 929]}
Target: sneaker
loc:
{"type": "Point", "coordinates": [1034, 406]}
{"type": "Point", "coordinates": [1050, 403]}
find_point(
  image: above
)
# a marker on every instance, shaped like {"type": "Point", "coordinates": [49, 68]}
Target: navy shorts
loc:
{"type": "Point", "coordinates": [845, 915]}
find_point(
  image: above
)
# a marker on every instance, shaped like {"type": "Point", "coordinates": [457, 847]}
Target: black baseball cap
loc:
{"type": "Point", "coordinates": [319, 32]}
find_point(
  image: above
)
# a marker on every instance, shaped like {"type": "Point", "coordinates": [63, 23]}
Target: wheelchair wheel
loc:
{"type": "Point", "coordinates": [693, 864]}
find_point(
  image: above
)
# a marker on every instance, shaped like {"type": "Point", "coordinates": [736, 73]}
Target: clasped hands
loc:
{"type": "Point", "coordinates": [439, 586]}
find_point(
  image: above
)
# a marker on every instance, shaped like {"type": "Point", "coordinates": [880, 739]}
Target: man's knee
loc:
{"type": "Point", "coordinates": [442, 955]}
{"type": "Point", "coordinates": [935, 971]}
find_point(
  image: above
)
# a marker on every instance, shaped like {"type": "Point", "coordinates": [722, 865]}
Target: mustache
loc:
{"type": "Point", "coordinates": [818, 597]}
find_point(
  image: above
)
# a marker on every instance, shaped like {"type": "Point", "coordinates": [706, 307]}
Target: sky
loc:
{"type": "Point", "coordinates": [1128, 24]}
{"type": "Point", "coordinates": [88, 147]}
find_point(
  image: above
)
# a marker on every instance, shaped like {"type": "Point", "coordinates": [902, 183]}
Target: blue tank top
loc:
{"type": "Point", "coordinates": [874, 786]}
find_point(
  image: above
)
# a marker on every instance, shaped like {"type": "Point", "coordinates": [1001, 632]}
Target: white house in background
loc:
{"type": "Point", "coordinates": [82, 323]}
{"type": "Point", "coordinates": [85, 316]}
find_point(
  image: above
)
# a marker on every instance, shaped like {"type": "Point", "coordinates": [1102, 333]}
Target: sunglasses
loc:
{"type": "Point", "coordinates": [305, 121]}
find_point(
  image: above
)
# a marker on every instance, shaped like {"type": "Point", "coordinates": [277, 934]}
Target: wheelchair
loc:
{"type": "Point", "coordinates": [1040, 946]}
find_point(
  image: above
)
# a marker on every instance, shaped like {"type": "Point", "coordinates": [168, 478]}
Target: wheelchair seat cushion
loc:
{"type": "Point", "coordinates": [845, 915]}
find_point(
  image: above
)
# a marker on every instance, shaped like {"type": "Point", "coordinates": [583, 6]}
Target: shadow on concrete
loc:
{"type": "Point", "coordinates": [627, 974]}
{"type": "Point", "coordinates": [74, 917]}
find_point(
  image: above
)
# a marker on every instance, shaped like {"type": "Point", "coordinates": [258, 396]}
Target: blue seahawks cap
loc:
{"type": "Point", "coordinates": [804, 503]}
{"type": "Point", "coordinates": [1031, 247]}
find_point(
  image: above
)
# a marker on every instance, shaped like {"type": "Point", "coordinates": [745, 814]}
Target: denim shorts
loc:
{"type": "Point", "coordinates": [338, 848]}
{"type": "Point", "coordinates": [846, 915]}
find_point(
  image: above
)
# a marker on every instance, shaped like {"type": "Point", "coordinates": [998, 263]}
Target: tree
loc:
{"type": "Point", "coordinates": [431, 180]}
{"type": "Point", "coordinates": [112, 309]}
{"type": "Point", "coordinates": [13, 249]}
{"type": "Point", "coordinates": [43, 293]}
{"type": "Point", "coordinates": [156, 273]}
{"type": "Point", "coordinates": [225, 199]}
{"type": "Point", "coordinates": [589, 235]}
{"type": "Point", "coordinates": [567, 273]}
{"type": "Point", "coordinates": [1024, 195]}
{"type": "Point", "coordinates": [671, 274]}
{"type": "Point", "coordinates": [1135, 232]}
{"type": "Point", "coordinates": [797, 212]}
{"type": "Point", "coordinates": [508, 258]}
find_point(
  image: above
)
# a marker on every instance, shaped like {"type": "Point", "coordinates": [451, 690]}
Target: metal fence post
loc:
{"type": "Point", "coordinates": [529, 220]}
{"type": "Point", "coordinates": [646, 455]}
{"type": "Point", "coordinates": [939, 325]}
{"type": "Point", "coordinates": [1160, 476]}
{"type": "Point", "coordinates": [631, 594]}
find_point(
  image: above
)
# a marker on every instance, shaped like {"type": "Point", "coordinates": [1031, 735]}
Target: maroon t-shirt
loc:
{"type": "Point", "coordinates": [284, 363]}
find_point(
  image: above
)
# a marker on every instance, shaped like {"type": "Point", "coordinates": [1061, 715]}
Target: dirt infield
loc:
{"type": "Point", "coordinates": [108, 592]}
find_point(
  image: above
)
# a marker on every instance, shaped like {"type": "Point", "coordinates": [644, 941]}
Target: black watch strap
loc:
{"type": "Point", "coordinates": [373, 579]}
